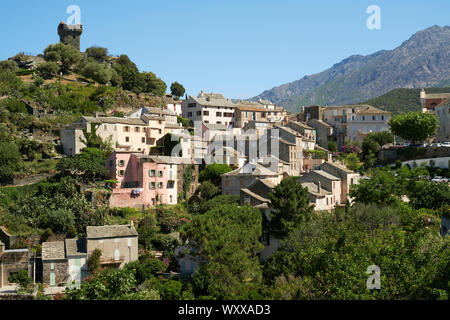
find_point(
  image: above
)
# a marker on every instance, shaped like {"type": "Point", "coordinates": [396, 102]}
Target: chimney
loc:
{"type": "Point", "coordinates": [131, 224]}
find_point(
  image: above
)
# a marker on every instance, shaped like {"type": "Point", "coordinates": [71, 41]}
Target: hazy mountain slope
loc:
{"type": "Point", "coordinates": [421, 61]}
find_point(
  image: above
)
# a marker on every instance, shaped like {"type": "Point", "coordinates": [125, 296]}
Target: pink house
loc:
{"type": "Point", "coordinates": [144, 180]}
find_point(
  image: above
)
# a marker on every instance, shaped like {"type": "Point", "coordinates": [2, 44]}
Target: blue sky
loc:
{"type": "Point", "coordinates": [237, 47]}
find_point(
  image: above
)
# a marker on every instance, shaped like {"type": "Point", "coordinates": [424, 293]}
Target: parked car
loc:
{"type": "Point", "coordinates": [445, 144]}
{"type": "Point", "coordinates": [436, 144]}
{"type": "Point", "coordinates": [439, 179]}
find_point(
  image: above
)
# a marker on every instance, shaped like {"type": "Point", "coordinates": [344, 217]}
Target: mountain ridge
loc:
{"type": "Point", "coordinates": [421, 61]}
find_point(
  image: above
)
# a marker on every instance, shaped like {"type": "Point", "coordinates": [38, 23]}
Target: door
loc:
{"type": "Point", "coordinates": [52, 279]}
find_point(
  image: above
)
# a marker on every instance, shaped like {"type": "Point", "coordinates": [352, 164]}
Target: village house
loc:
{"type": "Point", "coordinates": [324, 132]}
{"type": "Point", "coordinates": [14, 260]}
{"type": "Point", "coordinates": [354, 122]}
{"type": "Point", "coordinates": [55, 271]}
{"type": "Point", "coordinates": [256, 111]}
{"type": "Point", "coordinates": [211, 108]}
{"type": "Point", "coordinates": [146, 180]}
{"type": "Point", "coordinates": [139, 130]}
{"type": "Point", "coordinates": [118, 244]}
{"type": "Point", "coordinates": [64, 263]}
{"type": "Point", "coordinates": [429, 101]}
{"type": "Point", "coordinates": [234, 181]}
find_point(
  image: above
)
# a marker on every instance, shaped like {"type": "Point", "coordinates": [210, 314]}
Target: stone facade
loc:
{"type": "Point", "coordinates": [55, 272]}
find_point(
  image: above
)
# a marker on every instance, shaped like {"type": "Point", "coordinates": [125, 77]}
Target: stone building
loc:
{"type": "Point", "coordinates": [429, 101]}
{"type": "Point", "coordinates": [118, 244]}
{"type": "Point", "coordinates": [354, 122]}
{"type": "Point", "coordinates": [234, 181]}
{"type": "Point", "coordinates": [54, 263]}
{"type": "Point", "coordinates": [70, 34]}
{"type": "Point", "coordinates": [324, 131]}
{"type": "Point", "coordinates": [14, 260]}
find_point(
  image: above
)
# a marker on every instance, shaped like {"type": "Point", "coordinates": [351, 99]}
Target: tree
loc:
{"type": "Point", "coordinates": [352, 161]}
{"type": "Point", "coordinates": [8, 65]}
{"type": "Point", "coordinates": [89, 165]}
{"type": "Point", "coordinates": [292, 206]}
{"type": "Point", "coordinates": [332, 146]}
{"type": "Point", "coordinates": [98, 53]}
{"type": "Point", "coordinates": [184, 122]}
{"type": "Point", "coordinates": [48, 70]}
{"type": "Point", "coordinates": [146, 268]}
{"type": "Point", "coordinates": [98, 72]}
{"type": "Point", "coordinates": [153, 84]}
{"type": "Point", "coordinates": [208, 190]}
{"type": "Point", "coordinates": [129, 73]}
{"type": "Point", "coordinates": [21, 277]}
{"type": "Point", "coordinates": [177, 89]}
{"type": "Point", "coordinates": [381, 188]}
{"type": "Point", "coordinates": [9, 161]}
{"type": "Point", "coordinates": [226, 240]}
{"type": "Point", "coordinates": [64, 54]}
{"type": "Point", "coordinates": [427, 194]}
{"type": "Point", "coordinates": [93, 261]}
{"type": "Point", "coordinates": [327, 258]}
{"type": "Point", "coordinates": [414, 126]}
{"type": "Point", "coordinates": [381, 137]}
{"type": "Point", "coordinates": [212, 172]}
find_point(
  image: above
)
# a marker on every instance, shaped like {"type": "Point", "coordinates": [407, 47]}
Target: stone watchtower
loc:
{"type": "Point", "coordinates": [70, 34]}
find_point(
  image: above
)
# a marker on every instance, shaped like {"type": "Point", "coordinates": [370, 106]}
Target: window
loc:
{"type": "Point", "coordinates": [152, 173]}
{"type": "Point", "coordinates": [171, 199]}
{"type": "Point", "coordinates": [374, 118]}
{"type": "Point", "coordinates": [199, 113]}
{"type": "Point", "coordinates": [121, 173]}
{"type": "Point", "coordinates": [143, 139]}
{"type": "Point", "coordinates": [160, 185]}
{"type": "Point", "coordinates": [206, 113]}
{"type": "Point", "coordinates": [127, 139]}
{"type": "Point", "coordinates": [160, 173]}
{"type": "Point", "coordinates": [192, 105]}
{"type": "Point", "coordinates": [137, 129]}
{"type": "Point", "coordinates": [382, 118]}
{"type": "Point", "coordinates": [263, 115]}
{"type": "Point", "coordinates": [189, 114]}
{"type": "Point", "coordinates": [121, 163]}
{"type": "Point", "coordinates": [364, 118]}
{"type": "Point", "coordinates": [117, 255]}
{"type": "Point", "coordinates": [126, 129]}
{"type": "Point", "coordinates": [152, 185]}
{"type": "Point", "coordinates": [160, 131]}
{"type": "Point", "coordinates": [218, 114]}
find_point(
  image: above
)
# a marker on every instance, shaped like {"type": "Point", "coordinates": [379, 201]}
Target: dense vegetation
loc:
{"type": "Point", "coordinates": [402, 100]}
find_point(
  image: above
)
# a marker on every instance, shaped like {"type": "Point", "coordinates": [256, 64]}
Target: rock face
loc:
{"type": "Point", "coordinates": [421, 61]}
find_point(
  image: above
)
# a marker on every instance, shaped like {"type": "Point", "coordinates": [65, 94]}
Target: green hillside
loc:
{"type": "Point", "coordinates": [402, 100]}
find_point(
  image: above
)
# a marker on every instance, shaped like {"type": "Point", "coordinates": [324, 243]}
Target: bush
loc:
{"type": "Point", "coordinates": [94, 261]}
{"type": "Point", "coordinates": [48, 70]}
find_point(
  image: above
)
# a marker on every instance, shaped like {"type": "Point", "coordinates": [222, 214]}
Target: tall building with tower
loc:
{"type": "Point", "coordinates": [70, 34]}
